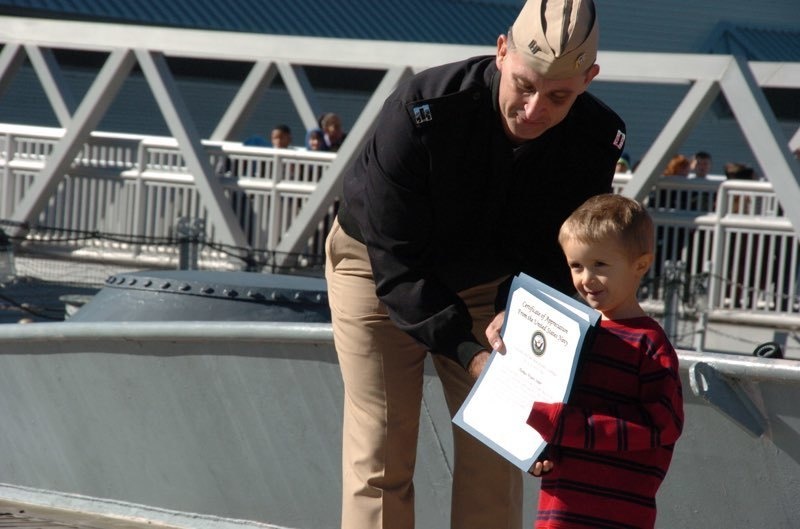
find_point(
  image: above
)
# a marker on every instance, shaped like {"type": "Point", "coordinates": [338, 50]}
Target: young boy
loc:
{"type": "Point", "coordinates": [610, 446]}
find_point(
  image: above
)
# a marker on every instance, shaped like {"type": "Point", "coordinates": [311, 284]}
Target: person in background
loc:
{"type": "Point", "coordinates": [315, 140]}
{"type": "Point", "coordinates": [331, 125]}
{"type": "Point", "coordinates": [226, 167]}
{"type": "Point", "coordinates": [740, 203]}
{"type": "Point", "coordinates": [255, 141]}
{"type": "Point", "coordinates": [623, 166]}
{"type": "Point", "coordinates": [701, 165]}
{"type": "Point", "coordinates": [679, 165]}
{"type": "Point", "coordinates": [739, 171]}
{"type": "Point", "coordinates": [281, 136]}
{"type": "Point", "coordinates": [610, 446]}
{"type": "Point", "coordinates": [431, 229]}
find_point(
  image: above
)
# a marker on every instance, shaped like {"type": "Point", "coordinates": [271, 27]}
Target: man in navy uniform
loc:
{"type": "Point", "coordinates": [471, 170]}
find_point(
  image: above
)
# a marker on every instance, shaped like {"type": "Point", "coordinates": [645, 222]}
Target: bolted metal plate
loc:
{"type": "Point", "coordinates": [192, 295]}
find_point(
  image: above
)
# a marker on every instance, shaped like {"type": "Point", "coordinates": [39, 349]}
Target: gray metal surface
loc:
{"type": "Point", "coordinates": [237, 424]}
{"type": "Point", "coordinates": [236, 420]}
{"type": "Point", "coordinates": [192, 295]}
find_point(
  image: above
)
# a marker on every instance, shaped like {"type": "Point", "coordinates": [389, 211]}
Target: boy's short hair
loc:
{"type": "Point", "coordinates": [611, 215]}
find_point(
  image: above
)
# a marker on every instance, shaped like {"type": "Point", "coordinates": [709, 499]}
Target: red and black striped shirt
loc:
{"type": "Point", "coordinates": [612, 443]}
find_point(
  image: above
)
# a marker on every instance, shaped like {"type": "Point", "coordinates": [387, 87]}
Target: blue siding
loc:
{"type": "Point", "coordinates": [447, 21]}
{"type": "Point", "coordinates": [686, 26]}
{"type": "Point", "coordinates": [756, 43]}
{"type": "Point", "coordinates": [134, 109]}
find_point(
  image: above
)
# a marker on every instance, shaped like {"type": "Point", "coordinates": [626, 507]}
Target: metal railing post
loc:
{"type": "Point", "coordinates": [140, 199]}
{"type": "Point", "coordinates": [6, 189]}
{"type": "Point", "coordinates": [674, 277]}
{"type": "Point", "coordinates": [191, 233]}
{"type": "Point", "coordinates": [700, 292]}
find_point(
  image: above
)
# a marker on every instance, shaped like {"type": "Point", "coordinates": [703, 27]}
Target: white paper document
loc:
{"type": "Point", "coordinates": [544, 332]}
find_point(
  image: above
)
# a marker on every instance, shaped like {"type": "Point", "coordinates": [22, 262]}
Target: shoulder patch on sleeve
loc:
{"type": "Point", "coordinates": [421, 113]}
{"type": "Point", "coordinates": [443, 109]}
{"type": "Point", "coordinates": [619, 140]}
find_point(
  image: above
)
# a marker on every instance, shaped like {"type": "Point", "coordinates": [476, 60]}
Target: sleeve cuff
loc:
{"type": "Point", "coordinates": [544, 417]}
{"type": "Point", "coordinates": [466, 351]}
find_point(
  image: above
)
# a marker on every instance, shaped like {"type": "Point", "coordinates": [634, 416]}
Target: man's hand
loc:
{"type": "Point", "coordinates": [477, 364]}
{"type": "Point", "coordinates": [493, 332]}
{"type": "Point", "coordinates": [478, 361]}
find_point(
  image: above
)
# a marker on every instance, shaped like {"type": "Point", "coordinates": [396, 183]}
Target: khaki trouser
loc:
{"type": "Point", "coordinates": [382, 368]}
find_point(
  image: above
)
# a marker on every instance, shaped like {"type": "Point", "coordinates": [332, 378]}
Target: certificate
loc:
{"type": "Point", "coordinates": [544, 333]}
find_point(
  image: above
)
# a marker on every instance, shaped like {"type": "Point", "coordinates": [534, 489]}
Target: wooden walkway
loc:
{"type": "Point", "coordinates": [19, 515]}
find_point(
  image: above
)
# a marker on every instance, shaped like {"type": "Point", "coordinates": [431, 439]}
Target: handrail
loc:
{"type": "Point", "coordinates": [745, 367]}
{"type": "Point", "coordinates": [72, 336]}
{"type": "Point", "coordinates": [183, 332]}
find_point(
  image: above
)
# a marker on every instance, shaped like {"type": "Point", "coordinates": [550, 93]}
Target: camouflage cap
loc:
{"type": "Point", "coordinates": [558, 37]}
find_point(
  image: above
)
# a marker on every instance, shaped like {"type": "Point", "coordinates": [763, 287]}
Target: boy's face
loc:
{"type": "Point", "coordinates": [606, 276]}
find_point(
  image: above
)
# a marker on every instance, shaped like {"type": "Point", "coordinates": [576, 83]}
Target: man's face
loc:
{"type": "Point", "coordinates": [333, 128]}
{"type": "Point", "coordinates": [530, 104]}
{"type": "Point", "coordinates": [315, 142]}
{"type": "Point", "coordinates": [701, 167]}
{"type": "Point", "coordinates": [280, 140]}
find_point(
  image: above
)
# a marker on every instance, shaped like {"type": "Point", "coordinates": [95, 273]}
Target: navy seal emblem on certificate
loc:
{"type": "Point", "coordinates": [538, 343]}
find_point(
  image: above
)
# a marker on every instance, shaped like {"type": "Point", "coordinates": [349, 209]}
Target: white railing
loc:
{"type": "Point", "coordinates": [758, 254]}
{"type": "Point", "coordinates": [739, 251]}
{"type": "Point", "coordinates": [139, 186]}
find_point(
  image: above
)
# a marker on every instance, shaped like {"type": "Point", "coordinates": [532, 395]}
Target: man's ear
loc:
{"type": "Point", "coordinates": [502, 50]}
{"type": "Point", "coordinates": [591, 73]}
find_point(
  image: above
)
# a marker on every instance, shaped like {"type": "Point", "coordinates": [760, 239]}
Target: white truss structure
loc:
{"type": "Point", "coordinates": [126, 46]}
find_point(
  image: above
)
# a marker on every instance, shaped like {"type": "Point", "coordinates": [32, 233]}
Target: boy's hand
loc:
{"type": "Point", "coordinates": [541, 467]}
